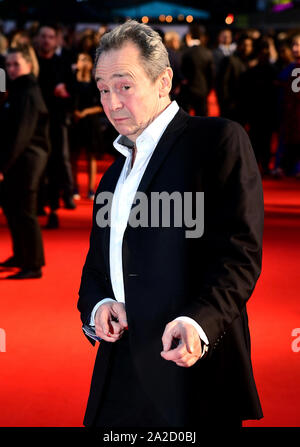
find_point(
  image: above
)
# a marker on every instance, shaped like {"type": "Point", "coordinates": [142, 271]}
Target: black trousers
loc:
{"type": "Point", "coordinates": [290, 158]}
{"type": "Point", "coordinates": [125, 403]}
{"type": "Point", "coordinates": [59, 171]}
{"type": "Point", "coordinates": [189, 100]}
{"type": "Point", "coordinates": [261, 135]}
{"type": "Point", "coordinates": [19, 203]}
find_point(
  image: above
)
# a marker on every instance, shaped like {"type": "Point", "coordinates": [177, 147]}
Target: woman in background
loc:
{"type": "Point", "coordinates": [23, 158]}
{"type": "Point", "coordinates": [88, 122]}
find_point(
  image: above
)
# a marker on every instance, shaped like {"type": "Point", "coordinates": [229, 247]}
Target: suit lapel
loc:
{"type": "Point", "coordinates": [168, 139]}
{"type": "Point", "coordinates": [114, 174]}
{"type": "Point", "coordinates": [110, 185]}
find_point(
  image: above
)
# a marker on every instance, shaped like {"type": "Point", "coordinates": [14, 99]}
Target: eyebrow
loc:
{"type": "Point", "coordinates": [116, 75]}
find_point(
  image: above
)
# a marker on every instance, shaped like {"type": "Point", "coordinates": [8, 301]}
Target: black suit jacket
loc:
{"type": "Point", "coordinates": [167, 275]}
{"type": "Point", "coordinates": [24, 124]}
{"type": "Point", "coordinates": [197, 66]}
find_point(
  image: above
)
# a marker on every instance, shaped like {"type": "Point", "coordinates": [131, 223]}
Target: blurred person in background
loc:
{"type": "Point", "coordinates": [3, 49]}
{"type": "Point", "coordinates": [290, 117]}
{"type": "Point", "coordinates": [254, 34]}
{"type": "Point", "coordinates": [285, 58]}
{"type": "Point", "coordinates": [273, 53]}
{"type": "Point", "coordinates": [101, 31]}
{"type": "Point", "coordinates": [259, 99]}
{"type": "Point", "coordinates": [55, 74]}
{"type": "Point", "coordinates": [23, 157]}
{"type": "Point", "coordinates": [22, 38]}
{"type": "Point", "coordinates": [285, 55]}
{"type": "Point", "coordinates": [198, 72]}
{"type": "Point", "coordinates": [172, 40]}
{"type": "Point", "coordinates": [228, 85]}
{"type": "Point", "coordinates": [226, 47]}
{"type": "Point", "coordinates": [88, 125]}
{"type": "Point", "coordinates": [67, 54]}
{"type": "Point", "coordinates": [88, 42]}
{"type": "Point", "coordinates": [173, 44]}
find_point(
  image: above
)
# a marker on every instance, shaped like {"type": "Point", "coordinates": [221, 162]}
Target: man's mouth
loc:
{"type": "Point", "coordinates": [120, 119]}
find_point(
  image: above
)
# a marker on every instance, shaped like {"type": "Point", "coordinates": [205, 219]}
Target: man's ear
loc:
{"type": "Point", "coordinates": [165, 82]}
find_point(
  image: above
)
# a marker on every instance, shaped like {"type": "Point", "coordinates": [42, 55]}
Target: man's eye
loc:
{"type": "Point", "coordinates": [126, 87]}
{"type": "Point", "coordinates": [102, 91]}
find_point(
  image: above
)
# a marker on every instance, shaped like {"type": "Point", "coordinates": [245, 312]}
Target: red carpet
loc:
{"type": "Point", "coordinates": [47, 366]}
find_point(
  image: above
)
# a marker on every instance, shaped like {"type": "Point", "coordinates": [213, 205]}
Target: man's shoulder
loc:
{"type": "Point", "coordinates": [197, 51]}
{"type": "Point", "coordinates": [215, 135]}
{"type": "Point", "coordinates": [215, 125]}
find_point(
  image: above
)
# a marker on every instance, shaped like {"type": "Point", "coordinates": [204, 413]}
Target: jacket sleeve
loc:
{"type": "Point", "coordinates": [94, 284]}
{"type": "Point", "coordinates": [24, 122]}
{"type": "Point", "coordinates": [232, 239]}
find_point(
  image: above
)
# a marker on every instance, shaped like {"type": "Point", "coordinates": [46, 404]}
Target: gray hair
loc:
{"type": "Point", "coordinates": [153, 52]}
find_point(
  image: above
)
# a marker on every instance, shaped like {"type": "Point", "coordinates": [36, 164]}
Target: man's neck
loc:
{"type": "Point", "coordinates": [194, 43]}
{"type": "Point", "coordinates": [134, 149]}
{"type": "Point", "coordinates": [162, 108]}
{"type": "Point", "coordinates": [46, 55]}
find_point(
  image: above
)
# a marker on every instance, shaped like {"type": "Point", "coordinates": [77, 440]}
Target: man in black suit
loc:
{"type": "Point", "coordinates": [230, 90]}
{"type": "Point", "coordinates": [169, 304]}
{"type": "Point", "coordinates": [197, 67]}
{"type": "Point", "coordinates": [54, 77]}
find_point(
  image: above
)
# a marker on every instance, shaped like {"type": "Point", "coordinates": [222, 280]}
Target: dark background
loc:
{"type": "Point", "coordinates": [69, 11]}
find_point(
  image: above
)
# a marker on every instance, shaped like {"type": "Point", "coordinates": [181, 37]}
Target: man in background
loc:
{"type": "Point", "coordinates": [53, 78]}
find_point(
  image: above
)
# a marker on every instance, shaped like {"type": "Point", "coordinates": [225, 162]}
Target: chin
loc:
{"type": "Point", "coordinates": [124, 130]}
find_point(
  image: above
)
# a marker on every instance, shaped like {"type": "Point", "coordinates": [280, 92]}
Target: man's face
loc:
{"type": "Point", "coordinates": [47, 40]}
{"type": "Point", "coordinates": [225, 37]}
{"type": "Point", "coordinates": [176, 42]}
{"type": "Point", "coordinates": [17, 66]}
{"type": "Point", "coordinates": [296, 47]}
{"type": "Point", "coordinates": [130, 99]}
{"type": "Point", "coordinates": [285, 54]}
{"type": "Point", "coordinates": [247, 47]}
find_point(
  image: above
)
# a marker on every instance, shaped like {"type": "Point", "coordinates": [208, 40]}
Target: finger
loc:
{"type": "Point", "coordinates": [107, 337]}
{"type": "Point", "coordinates": [120, 314]}
{"type": "Point", "coordinates": [167, 338]}
{"type": "Point", "coordinates": [116, 328]}
{"type": "Point", "coordinates": [102, 320]}
{"type": "Point", "coordinates": [188, 338]}
{"type": "Point", "coordinates": [177, 354]}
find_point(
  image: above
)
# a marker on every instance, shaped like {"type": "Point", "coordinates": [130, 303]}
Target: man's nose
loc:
{"type": "Point", "coordinates": [115, 103]}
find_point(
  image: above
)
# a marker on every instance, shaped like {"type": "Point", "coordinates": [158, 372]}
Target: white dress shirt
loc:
{"type": "Point", "coordinates": [124, 194]}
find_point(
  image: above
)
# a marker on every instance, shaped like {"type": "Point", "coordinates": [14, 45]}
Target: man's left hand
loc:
{"type": "Point", "coordinates": [188, 350]}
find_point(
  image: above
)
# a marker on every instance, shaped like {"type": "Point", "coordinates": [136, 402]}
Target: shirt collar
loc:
{"type": "Point", "coordinates": [151, 135]}
{"type": "Point", "coordinates": [194, 42]}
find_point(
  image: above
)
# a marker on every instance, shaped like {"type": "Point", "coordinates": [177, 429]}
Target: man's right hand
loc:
{"type": "Point", "coordinates": [106, 326]}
